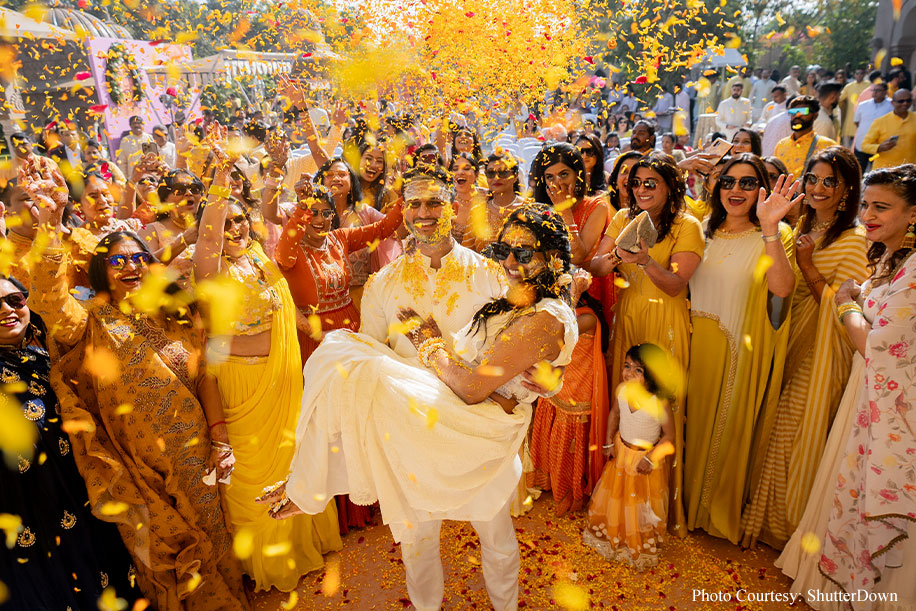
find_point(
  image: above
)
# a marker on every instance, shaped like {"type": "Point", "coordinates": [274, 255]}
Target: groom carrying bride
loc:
{"type": "Point", "coordinates": [426, 408]}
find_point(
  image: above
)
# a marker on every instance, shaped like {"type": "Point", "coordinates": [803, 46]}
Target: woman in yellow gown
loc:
{"type": "Point", "coordinates": [787, 449]}
{"type": "Point", "coordinates": [259, 374]}
{"type": "Point", "coordinates": [740, 301]}
{"type": "Point", "coordinates": [652, 301]}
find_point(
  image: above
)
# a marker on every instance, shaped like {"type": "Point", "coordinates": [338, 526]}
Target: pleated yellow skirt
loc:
{"type": "Point", "coordinates": [261, 404]}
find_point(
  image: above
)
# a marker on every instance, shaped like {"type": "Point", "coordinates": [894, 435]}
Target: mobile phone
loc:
{"type": "Point", "coordinates": [150, 147]}
{"type": "Point", "coordinates": [718, 149]}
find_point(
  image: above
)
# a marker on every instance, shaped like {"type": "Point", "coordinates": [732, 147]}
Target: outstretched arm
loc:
{"type": "Point", "coordinates": [524, 343]}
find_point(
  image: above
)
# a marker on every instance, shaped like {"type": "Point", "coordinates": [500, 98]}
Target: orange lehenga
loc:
{"type": "Point", "coordinates": [141, 441]}
{"type": "Point", "coordinates": [569, 428]}
{"type": "Point", "coordinates": [319, 280]}
{"type": "Point", "coordinates": [628, 513]}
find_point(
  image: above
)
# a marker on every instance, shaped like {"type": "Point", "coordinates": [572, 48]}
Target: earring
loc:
{"type": "Point", "coordinates": [909, 240]}
{"type": "Point", "coordinates": [842, 204]}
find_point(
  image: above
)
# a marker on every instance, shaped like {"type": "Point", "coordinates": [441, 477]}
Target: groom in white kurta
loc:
{"type": "Point", "coordinates": [444, 280]}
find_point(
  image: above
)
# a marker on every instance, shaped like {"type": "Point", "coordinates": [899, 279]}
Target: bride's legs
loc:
{"type": "Point", "coordinates": [500, 559]}
{"type": "Point", "coordinates": [425, 581]}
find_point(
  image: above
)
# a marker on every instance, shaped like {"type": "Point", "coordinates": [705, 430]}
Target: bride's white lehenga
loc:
{"type": "Point", "coordinates": [381, 427]}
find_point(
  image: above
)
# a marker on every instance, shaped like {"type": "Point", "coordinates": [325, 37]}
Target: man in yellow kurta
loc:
{"type": "Point", "coordinates": [893, 137]}
{"type": "Point", "coordinates": [795, 150]}
{"type": "Point", "coordinates": [849, 99]}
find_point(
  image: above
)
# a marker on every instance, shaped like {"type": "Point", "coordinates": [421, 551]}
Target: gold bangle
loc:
{"type": "Point", "coordinates": [847, 308]}
{"type": "Point", "coordinates": [221, 192]}
{"type": "Point", "coordinates": [428, 348]}
{"type": "Point", "coordinates": [772, 238]}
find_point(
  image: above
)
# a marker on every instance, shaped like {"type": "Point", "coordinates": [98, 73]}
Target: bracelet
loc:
{"type": "Point", "coordinates": [220, 446]}
{"type": "Point", "coordinates": [608, 446]}
{"type": "Point", "coordinates": [772, 238]}
{"type": "Point", "coordinates": [649, 460]}
{"type": "Point", "coordinates": [573, 228]}
{"type": "Point", "coordinates": [845, 309]}
{"type": "Point", "coordinates": [217, 424]}
{"type": "Point", "coordinates": [643, 266]}
{"type": "Point", "coordinates": [428, 348]}
{"type": "Point", "coordinates": [221, 192]}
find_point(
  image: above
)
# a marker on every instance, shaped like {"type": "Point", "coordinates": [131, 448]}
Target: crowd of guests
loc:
{"type": "Point", "coordinates": [744, 362]}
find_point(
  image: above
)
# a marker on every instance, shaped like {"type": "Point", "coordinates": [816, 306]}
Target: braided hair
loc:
{"type": "Point", "coordinates": [552, 239]}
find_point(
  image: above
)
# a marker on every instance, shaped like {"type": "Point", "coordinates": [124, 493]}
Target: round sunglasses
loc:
{"type": "Point", "coordinates": [830, 182]}
{"type": "Point", "coordinates": [650, 184]}
{"type": "Point", "coordinates": [139, 259]}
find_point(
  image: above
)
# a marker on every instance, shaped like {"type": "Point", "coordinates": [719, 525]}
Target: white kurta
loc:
{"type": "Point", "coordinates": [733, 112]}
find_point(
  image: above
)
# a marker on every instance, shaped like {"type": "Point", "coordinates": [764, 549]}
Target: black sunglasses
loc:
{"type": "Point", "coordinates": [499, 173]}
{"type": "Point", "coordinates": [325, 214]}
{"type": "Point", "coordinates": [501, 252]}
{"type": "Point", "coordinates": [588, 152]}
{"type": "Point", "coordinates": [238, 219]}
{"type": "Point", "coordinates": [119, 262]}
{"type": "Point", "coordinates": [745, 183]}
{"type": "Point", "coordinates": [15, 300]}
{"type": "Point", "coordinates": [189, 189]}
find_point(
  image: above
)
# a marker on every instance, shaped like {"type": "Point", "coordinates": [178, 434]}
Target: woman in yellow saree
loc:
{"type": "Point", "coordinates": [259, 372]}
{"type": "Point", "coordinates": [740, 300]}
{"type": "Point", "coordinates": [788, 447]}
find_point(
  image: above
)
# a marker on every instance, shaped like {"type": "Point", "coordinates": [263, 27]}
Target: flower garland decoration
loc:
{"type": "Point", "coordinates": [119, 57]}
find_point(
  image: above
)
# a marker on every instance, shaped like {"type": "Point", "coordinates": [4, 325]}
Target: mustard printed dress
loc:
{"type": "Point", "coordinates": [261, 403]}
{"type": "Point", "coordinates": [740, 332]}
{"type": "Point", "coordinates": [645, 313]}
{"type": "Point", "coordinates": [788, 449]}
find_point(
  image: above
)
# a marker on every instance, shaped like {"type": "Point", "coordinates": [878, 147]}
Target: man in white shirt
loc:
{"type": "Point", "coordinates": [777, 128]}
{"type": "Point", "coordinates": [761, 93]}
{"type": "Point", "coordinates": [733, 113]}
{"type": "Point", "coordinates": [131, 146]}
{"type": "Point", "coordinates": [682, 102]}
{"type": "Point", "coordinates": [664, 111]}
{"type": "Point", "coordinates": [828, 121]}
{"type": "Point", "coordinates": [444, 280]}
{"type": "Point", "coordinates": [775, 106]}
{"type": "Point", "coordinates": [866, 113]}
{"type": "Point", "coordinates": [166, 148]}
{"type": "Point", "coordinates": [791, 82]}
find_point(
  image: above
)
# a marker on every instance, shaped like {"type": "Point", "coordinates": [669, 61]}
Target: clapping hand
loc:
{"type": "Point", "coordinates": [771, 210]}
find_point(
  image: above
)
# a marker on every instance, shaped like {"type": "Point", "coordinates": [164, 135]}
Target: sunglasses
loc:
{"type": "Point", "coordinates": [745, 183]}
{"type": "Point", "coordinates": [185, 190]}
{"type": "Point", "coordinates": [501, 252]}
{"type": "Point", "coordinates": [139, 259]}
{"type": "Point", "coordinates": [325, 214]}
{"type": "Point", "coordinates": [650, 184]}
{"type": "Point", "coordinates": [588, 152]}
{"type": "Point", "coordinates": [499, 173]}
{"type": "Point", "coordinates": [238, 219]}
{"type": "Point", "coordinates": [830, 182]}
{"type": "Point", "coordinates": [906, 101]}
{"type": "Point", "coordinates": [804, 111]}
{"type": "Point", "coordinates": [415, 204]}
{"type": "Point", "coordinates": [15, 300]}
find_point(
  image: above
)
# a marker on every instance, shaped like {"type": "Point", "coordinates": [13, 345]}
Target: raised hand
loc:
{"type": "Point", "coordinates": [292, 90]}
{"type": "Point", "coordinates": [277, 147]}
{"type": "Point", "coordinates": [771, 210]}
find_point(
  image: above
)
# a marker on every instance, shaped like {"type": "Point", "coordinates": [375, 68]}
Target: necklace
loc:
{"type": "Point", "coordinates": [815, 227]}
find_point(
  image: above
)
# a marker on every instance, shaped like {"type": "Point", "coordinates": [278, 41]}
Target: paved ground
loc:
{"type": "Point", "coordinates": [368, 574]}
